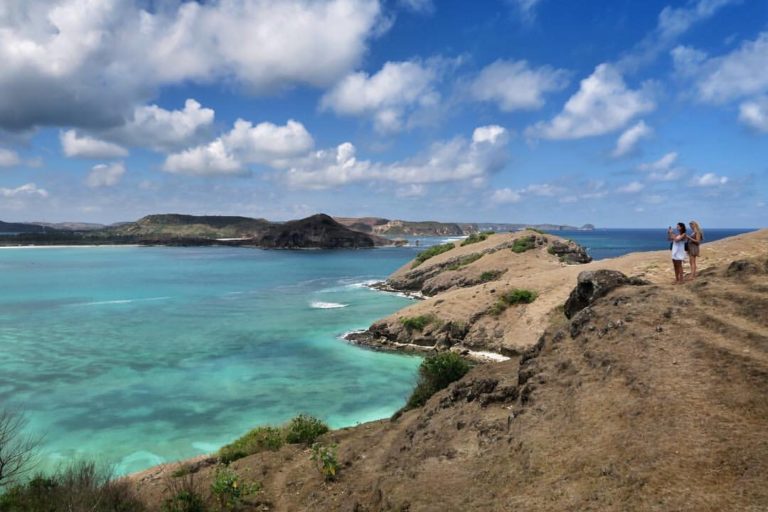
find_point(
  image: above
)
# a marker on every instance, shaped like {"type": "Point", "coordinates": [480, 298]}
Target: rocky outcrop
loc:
{"type": "Point", "coordinates": [590, 286]}
{"type": "Point", "coordinates": [318, 231]}
{"type": "Point", "coordinates": [569, 252]}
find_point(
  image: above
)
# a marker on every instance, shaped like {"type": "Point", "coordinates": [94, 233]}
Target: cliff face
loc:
{"type": "Point", "coordinates": [650, 397]}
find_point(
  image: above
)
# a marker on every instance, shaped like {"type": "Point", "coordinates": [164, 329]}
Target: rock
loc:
{"type": "Point", "coordinates": [591, 285]}
{"type": "Point", "coordinates": [569, 252]}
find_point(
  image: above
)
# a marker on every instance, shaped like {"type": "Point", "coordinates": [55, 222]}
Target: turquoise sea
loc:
{"type": "Point", "coordinates": [141, 355]}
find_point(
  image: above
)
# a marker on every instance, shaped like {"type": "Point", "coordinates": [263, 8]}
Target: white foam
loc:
{"type": "Point", "coordinates": [119, 301]}
{"type": "Point", "coordinates": [364, 284]}
{"type": "Point", "coordinates": [326, 305]}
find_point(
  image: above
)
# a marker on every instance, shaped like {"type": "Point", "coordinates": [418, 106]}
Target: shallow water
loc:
{"type": "Point", "coordinates": [138, 356]}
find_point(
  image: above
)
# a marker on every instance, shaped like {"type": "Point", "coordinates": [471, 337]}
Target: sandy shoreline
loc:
{"type": "Point", "coordinates": [67, 246]}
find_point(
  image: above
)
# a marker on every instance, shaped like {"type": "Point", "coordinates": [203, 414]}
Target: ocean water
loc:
{"type": "Point", "coordinates": [141, 355]}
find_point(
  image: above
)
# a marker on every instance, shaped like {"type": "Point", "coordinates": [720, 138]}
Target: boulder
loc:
{"type": "Point", "coordinates": [591, 285]}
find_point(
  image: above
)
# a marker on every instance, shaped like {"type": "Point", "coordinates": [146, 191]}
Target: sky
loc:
{"type": "Point", "coordinates": [618, 113]}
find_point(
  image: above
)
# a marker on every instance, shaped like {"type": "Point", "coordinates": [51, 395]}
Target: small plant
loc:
{"type": "Point", "coordinates": [185, 494]}
{"type": "Point", "coordinates": [435, 373]}
{"type": "Point", "coordinates": [512, 297]}
{"type": "Point", "coordinates": [304, 429]}
{"type": "Point", "coordinates": [326, 460]}
{"type": "Point", "coordinates": [551, 250]}
{"type": "Point", "coordinates": [490, 275]}
{"type": "Point", "coordinates": [429, 253]}
{"type": "Point", "coordinates": [259, 439]}
{"type": "Point", "coordinates": [524, 244]}
{"type": "Point", "coordinates": [417, 323]}
{"type": "Point", "coordinates": [476, 237]}
{"type": "Point", "coordinates": [229, 490]}
{"type": "Point", "coordinates": [463, 261]}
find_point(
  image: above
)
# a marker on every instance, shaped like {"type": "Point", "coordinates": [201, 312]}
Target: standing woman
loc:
{"type": "Point", "coordinates": [678, 250]}
{"type": "Point", "coordinates": [694, 239]}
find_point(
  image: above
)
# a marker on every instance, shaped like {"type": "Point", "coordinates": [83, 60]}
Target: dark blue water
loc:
{"type": "Point", "coordinates": [610, 243]}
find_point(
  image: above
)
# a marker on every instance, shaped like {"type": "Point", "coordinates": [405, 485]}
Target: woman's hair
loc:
{"type": "Point", "coordinates": [697, 229]}
{"type": "Point", "coordinates": [681, 227]}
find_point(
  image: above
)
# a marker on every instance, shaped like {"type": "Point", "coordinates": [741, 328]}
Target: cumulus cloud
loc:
{"type": "Point", "coordinates": [602, 105]}
{"type": "Point", "coordinates": [9, 158]}
{"type": "Point", "coordinates": [631, 188]}
{"type": "Point", "coordinates": [454, 160]}
{"type": "Point", "coordinates": [628, 140]}
{"type": "Point", "coordinates": [388, 95]}
{"type": "Point", "coordinates": [28, 189]}
{"type": "Point", "coordinates": [154, 127]}
{"type": "Point", "coordinates": [514, 85]}
{"type": "Point", "coordinates": [423, 6]}
{"type": "Point", "coordinates": [87, 64]}
{"type": "Point", "coordinates": [264, 143]}
{"type": "Point", "coordinates": [755, 113]}
{"type": "Point", "coordinates": [505, 196]}
{"type": "Point", "coordinates": [663, 169]}
{"type": "Point", "coordinates": [709, 179]}
{"type": "Point", "coordinates": [105, 175]}
{"type": "Point", "coordinates": [526, 8]}
{"type": "Point", "coordinates": [83, 146]}
{"type": "Point", "coordinates": [741, 73]}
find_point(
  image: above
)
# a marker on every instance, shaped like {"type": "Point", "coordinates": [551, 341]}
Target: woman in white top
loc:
{"type": "Point", "coordinates": [678, 250]}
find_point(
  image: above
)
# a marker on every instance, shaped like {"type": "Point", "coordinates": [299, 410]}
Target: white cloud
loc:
{"type": "Point", "coordinates": [709, 179]}
{"type": "Point", "coordinates": [663, 169]}
{"type": "Point", "coordinates": [629, 139]}
{"type": "Point", "coordinates": [505, 196]}
{"type": "Point", "coordinates": [28, 189]}
{"type": "Point", "coordinates": [87, 64]}
{"type": "Point", "coordinates": [741, 73]}
{"type": "Point", "coordinates": [164, 130]}
{"type": "Point", "coordinates": [388, 95]}
{"type": "Point", "coordinates": [755, 113]}
{"type": "Point", "coordinates": [526, 8]}
{"type": "Point", "coordinates": [83, 146]}
{"type": "Point", "coordinates": [105, 175]}
{"type": "Point", "coordinates": [245, 144]}
{"type": "Point", "coordinates": [412, 190]}
{"type": "Point", "coordinates": [454, 160]}
{"type": "Point", "coordinates": [8, 158]}
{"type": "Point", "coordinates": [602, 105]}
{"type": "Point", "coordinates": [514, 85]}
{"type": "Point", "coordinates": [631, 188]}
{"type": "Point", "coordinates": [424, 6]}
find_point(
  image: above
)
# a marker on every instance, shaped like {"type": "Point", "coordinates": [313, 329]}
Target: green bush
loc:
{"type": "Point", "coordinates": [184, 493]}
{"type": "Point", "coordinates": [259, 439]}
{"type": "Point", "coordinates": [304, 429]}
{"type": "Point", "coordinates": [80, 486]}
{"type": "Point", "coordinates": [476, 237]}
{"type": "Point", "coordinates": [417, 323]}
{"type": "Point", "coordinates": [228, 489]}
{"type": "Point", "coordinates": [490, 275]}
{"type": "Point", "coordinates": [512, 297]}
{"type": "Point", "coordinates": [463, 261]}
{"type": "Point", "coordinates": [432, 251]}
{"type": "Point", "coordinates": [326, 460]}
{"type": "Point", "coordinates": [436, 373]}
{"type": "Point", "coordinates": [551, 250]}
{"type": "Point", "coordinates": [524, 244]}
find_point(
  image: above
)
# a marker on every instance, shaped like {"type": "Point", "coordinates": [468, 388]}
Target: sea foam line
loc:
{"type": "Point", "coordinates": [119, 301]}
{"type": "Point", "coordinates": [326, 305]}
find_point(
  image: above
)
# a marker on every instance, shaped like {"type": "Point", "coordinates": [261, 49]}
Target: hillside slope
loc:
{"type": "Point", "coordinates": [653, 397]}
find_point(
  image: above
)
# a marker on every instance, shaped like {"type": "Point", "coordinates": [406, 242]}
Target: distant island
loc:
{"type": "Point", "coordinates": [318, 231]}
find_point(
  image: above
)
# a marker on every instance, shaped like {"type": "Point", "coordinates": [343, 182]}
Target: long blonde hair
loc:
{"type": "Point", "coordinates": [697, 229]}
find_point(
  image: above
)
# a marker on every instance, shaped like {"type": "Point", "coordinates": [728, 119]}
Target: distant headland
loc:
{"type": "Point", "coordinates": [318, 231]}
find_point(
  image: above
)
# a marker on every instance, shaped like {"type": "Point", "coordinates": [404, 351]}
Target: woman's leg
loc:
{"type": "Point", "coordinates": [693, 267]}
{"type": "Point", "coordinates": [678, 266]}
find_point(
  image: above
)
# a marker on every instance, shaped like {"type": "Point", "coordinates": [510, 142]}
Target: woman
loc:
{"type": "Point", "coordinates": [678, 250]}
{"type": "Point", "coordinates": [694, 239]}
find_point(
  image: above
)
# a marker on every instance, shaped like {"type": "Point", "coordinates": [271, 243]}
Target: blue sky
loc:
{"type": "Point", "coordinates": [618, 113]}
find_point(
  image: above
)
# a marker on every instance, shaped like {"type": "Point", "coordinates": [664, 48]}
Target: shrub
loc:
{"type": "Point", "coordinates": [229, 490]}
{"type": "Point", "coordinates": [524, 244]}
{"type": "Point", "coordinates": [185, 494]}
{"type": "Point", "coordinates": [304, 429]}
{"type": "Point", "coordinates": [259, 439]}
{"type": "Point", "coordinates": [435, 373]}
{"type": "Point", "coordinates": [512, 297]}
{"type": "Point", "coordinates": [326, 460]}
{"type": "Point", "coordinates": [476, 237]}
{"type": "Point", "coordinates": [551, 250]}
{"type": "Point", "coordinates": [417, 323]}
{"type": "Point", "coordinates": [17, 450]}
{"type": "Point", "coordinates": [432, 251]}
{"type": "Point", "coordinates": [490, 275]}
{"type": "Point", "coordinates": [463, 261]}
{"type": "Point", "coordinates": [79, 486]}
